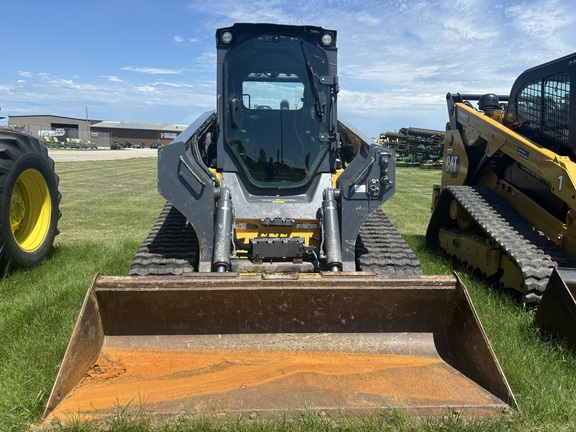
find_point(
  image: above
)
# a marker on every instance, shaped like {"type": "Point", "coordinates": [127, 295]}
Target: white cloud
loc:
{"type": "Point", "coordinates": [226, 12]}
{"type": "Point", "coordinates": [181, 39]}
{"type": "Point", "coordinates": [152, 70]}
{"type": "Point", "coordinates": [549, 24]}
{"type": "Point", "coordinates": [112, 78]}
{"type": "Point", "coordinates": [369, 19]}
{"type": "Point", "coordinates": [145, 89]}
{"type": "Point", "coordinates": [168, 102]}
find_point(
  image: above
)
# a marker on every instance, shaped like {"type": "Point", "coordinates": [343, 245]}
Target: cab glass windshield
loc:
{"type": "Point", "coordinates": [276, 109]}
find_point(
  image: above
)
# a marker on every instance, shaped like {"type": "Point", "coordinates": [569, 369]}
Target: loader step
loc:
{"type": "Point", "coordinates": [532, 252]}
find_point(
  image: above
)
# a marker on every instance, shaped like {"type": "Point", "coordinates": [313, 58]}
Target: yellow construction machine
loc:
{"type": "Point", "coordinates": [507, 203]}
{"type": "Point", "coordinates": [272, 281]}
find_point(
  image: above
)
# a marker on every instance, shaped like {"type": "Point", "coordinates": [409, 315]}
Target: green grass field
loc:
{"type": "Point", "coordinates": [108, 207]}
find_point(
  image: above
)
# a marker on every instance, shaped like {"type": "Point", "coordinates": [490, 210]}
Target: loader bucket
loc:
{"type": "Point", "coordinates": [223, 343]}
{"type": "Point", "coordinates": [556, 312]}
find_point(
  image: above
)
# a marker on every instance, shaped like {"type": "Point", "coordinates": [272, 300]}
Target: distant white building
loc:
{"type": "Point", "coordinates": [102, 133]}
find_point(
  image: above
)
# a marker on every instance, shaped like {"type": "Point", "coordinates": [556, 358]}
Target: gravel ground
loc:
{"type": "Point", "coordinates": [83, 155]}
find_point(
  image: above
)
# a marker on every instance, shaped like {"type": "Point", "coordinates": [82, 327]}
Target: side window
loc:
{"type": "Point", "coordinates": [528, 103]}
{"type": "Point", "coordinates": [544, 105]}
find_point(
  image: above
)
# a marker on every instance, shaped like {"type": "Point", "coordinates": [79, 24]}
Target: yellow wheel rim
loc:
{"type": "Point", "coordinates": [30, 210]}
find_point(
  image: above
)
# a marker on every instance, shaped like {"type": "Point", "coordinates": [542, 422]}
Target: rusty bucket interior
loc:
{"type": "Point", "coordinates": [556, 312]}
{"type": "Point", "coordinates": [353, 343]}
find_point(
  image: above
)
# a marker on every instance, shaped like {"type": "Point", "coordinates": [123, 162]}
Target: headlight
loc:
{"type": "Point", "coordinates": [226, 37]}
{"type": "Point", "coordinates": [327, 39]}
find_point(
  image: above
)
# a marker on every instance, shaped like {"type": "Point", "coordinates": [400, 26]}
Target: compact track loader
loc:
{"type": "Point", "coordinates": [507, 203]}
{"type": "Point", "coordinates": [272, 280]}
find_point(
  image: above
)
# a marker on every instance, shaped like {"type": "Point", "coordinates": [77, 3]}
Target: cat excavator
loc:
{"type": "Point", "coordinates": [273, 281]}
{"type": "Point", "coordinates": [506, 205]}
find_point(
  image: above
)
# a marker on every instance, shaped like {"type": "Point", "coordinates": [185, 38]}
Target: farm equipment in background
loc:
{"type": "Point", "coordinates": [273, 281]}
{"type": "Point", "coordinates": [29, 201]}
{"type": "Point", "coordinates": [53, 142]}
{"type": "Point", "coordinates": [415, 146]}
{"type": "Point", "coordinates": [507, 203]}
{"type": "Point", "coordinates": [115, 145]}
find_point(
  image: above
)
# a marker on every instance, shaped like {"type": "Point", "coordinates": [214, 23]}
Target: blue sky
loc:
{"type": "Point", "coordinates": [154, 61]}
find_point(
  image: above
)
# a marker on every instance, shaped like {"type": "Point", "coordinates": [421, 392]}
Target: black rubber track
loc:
{"type": "Point", "coordinates": [380, 248]}
{"type": "Point", "coordinates": [532, 252]}
{"type": "Point", "coordinates": [171, 248]}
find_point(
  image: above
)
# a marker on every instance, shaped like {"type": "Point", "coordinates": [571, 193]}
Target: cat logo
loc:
{"type": "Point", "coordinates": [452, 165]}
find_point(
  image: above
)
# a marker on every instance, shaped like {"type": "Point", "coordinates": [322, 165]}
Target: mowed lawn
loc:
{"type": "Point", "coordinates": [108, 207]}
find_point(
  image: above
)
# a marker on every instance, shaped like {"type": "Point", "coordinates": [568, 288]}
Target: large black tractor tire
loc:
{"type": "Point", "coordinates": [29, 202]}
